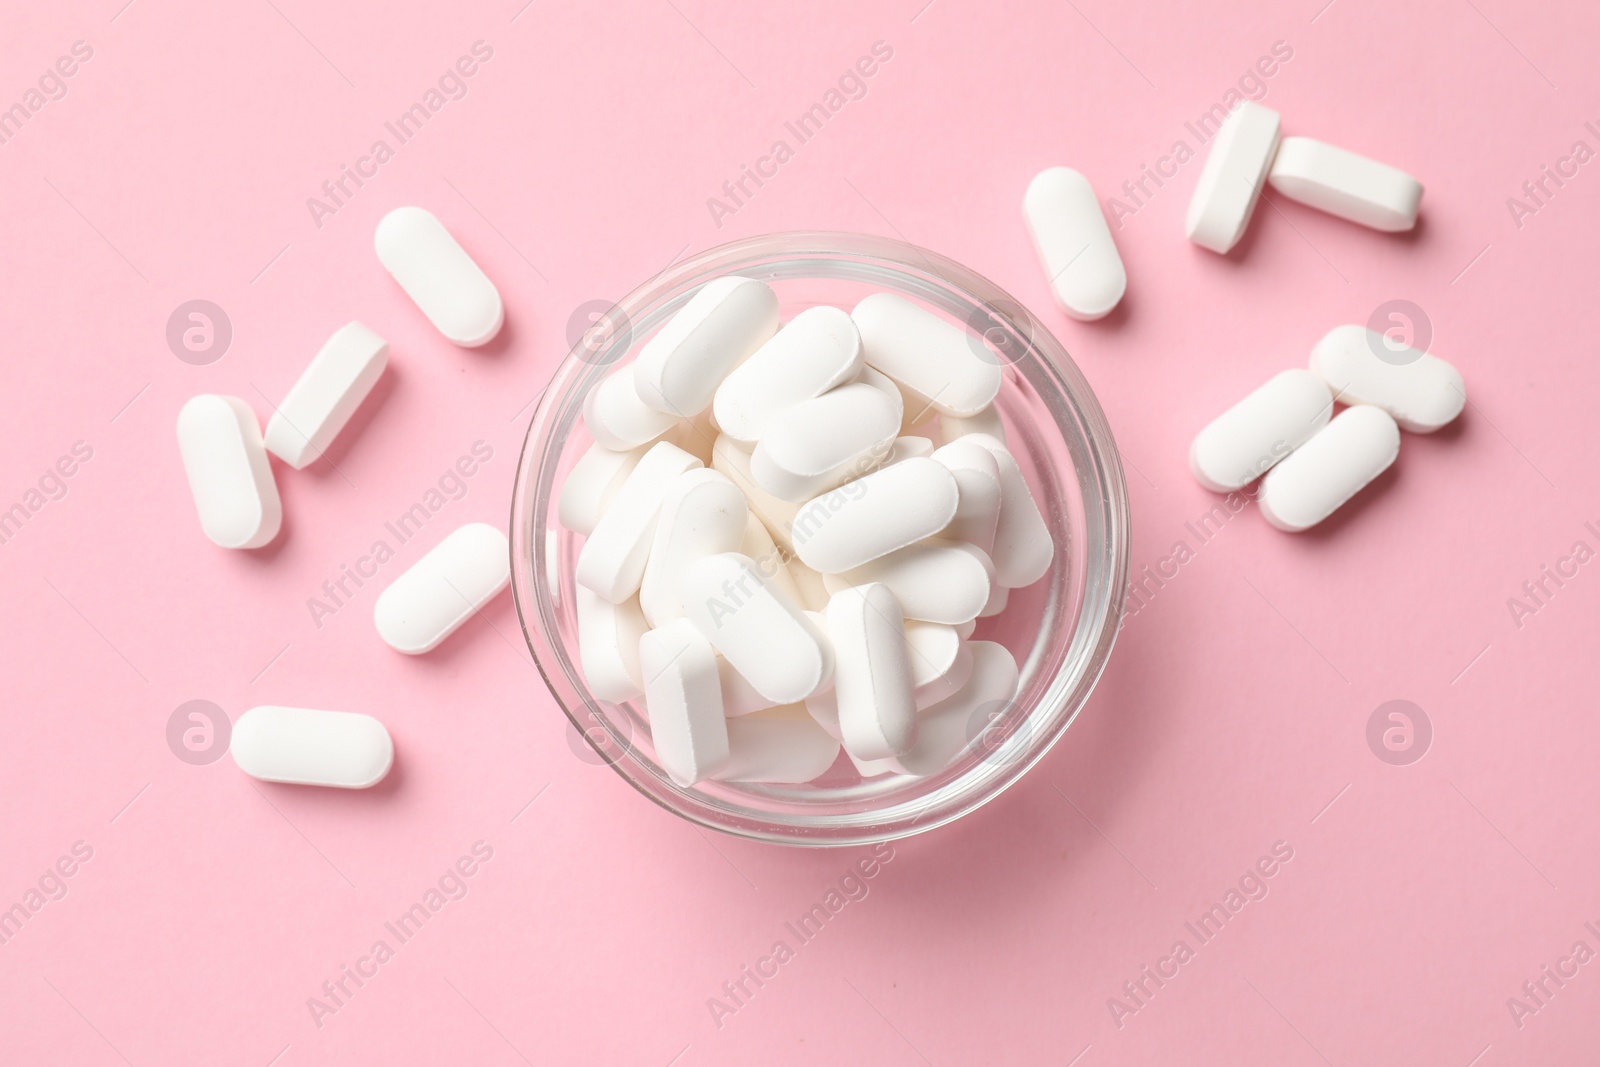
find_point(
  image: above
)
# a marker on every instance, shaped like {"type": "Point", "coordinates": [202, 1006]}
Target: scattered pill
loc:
{"type": "Point", "coordinates": [702, 514]}
{"type": "Point", "coordinates": [1361, 366]}
{"type": "Point", "coordinates": [439, 276]}
{"type": "Point", "coordinates": [819, 443]}
{"type": "Point", "coordinates": [781, 746]}
{"type": "Point", "coordinates": [326, 394]}
{"type": "Point", "coordinates": [1347, 185]}
{"type": "Point", "coordinates": [1074, 243]}
{"type": "Point", "coordinates": [612, 560]}
{"type": "Point", "coordinates": [1233, 176]}
{"type": "Point", "coordinates": [977, 476]}
{"type": "Point", "coordinates": [1242, 443]}
{"type": "Point", "coordinates": [872, 676]}
{"type": "Point", "coordinates": [305, 746]}
{"type": "Point", "coordinates": [934, 580]}
{"type": "Point", "coordinates": [591, 484]}
{"type": "Point", "coordinates": [1023, 548]}
{"type": "Point", "coordinates": [444, 588]}
{"type": "Point", "coordinates": [683, 699]}
{"type": "Point", "coordinates": [945, 729]}
{"type": "Point", "coordinates": [616, 417]}
{"type": "Point", "coordinates": [761, 633]}
{"type": "Point", "coordinates": [229, 473]}
{"type": "Point", "coordinates": [608, 645]}
{"type": "Point", "coordinates": [817, 350]}
{"type": "Point", "coordinates": [680, 368]}
{"type": "Point", "coordinates": [872, 516]}
{"type": "Point", "coordinates": [935, 360]}
{"type": "Point", "coordinates": [1357, 446]}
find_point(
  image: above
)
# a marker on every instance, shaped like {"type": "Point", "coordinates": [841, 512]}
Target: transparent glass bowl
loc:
{"type": "Point", "coordinates": [1060, 629]}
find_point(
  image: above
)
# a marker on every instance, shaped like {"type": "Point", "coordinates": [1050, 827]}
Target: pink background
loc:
{"type": "Point", "coordinates": [1233, 715]}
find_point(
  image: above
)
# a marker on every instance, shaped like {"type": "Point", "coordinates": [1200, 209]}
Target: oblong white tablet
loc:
{"type": "Point", "coordinates": [932, 649]}
{"type": "Point", "coordinates": [444, 588]}
{"type": "Point", "coordinates": [810, 587]}
{"type": "Point", "coordinates": [1360, 366]}
{"type": "Point", "coordinates": [229, 473]}
{"type": "Point", "coordinates": [616, 417]}
{"type": "Point", "coordinates": [873, 516]}
{"type": "Point", "coordinates": [702, 514]}
{"type": "Point", "coordinates": [439, 276]}
{"type": "Point", "coordinates": [608, 645]}
{"type": "Point", "coordinates": [1242, 443]}
{"type": "Point", "coordinates": [781, 746]}
{"type": "Point", "coordinates": [739, 697]}
{"type": "Point", "coordinates": [326, 394]}
{"type": "Point", "coordinates": [776, 515]}
{"type": "Point", "coordinates": [1023, 547]}
{"type": "Point", "coordinates": [592, 483]}
{"type": "Point", "coordinates": [953, 428]}
{"type": "Point", "coordinates": [612, 560]}
{"type": "Point", "coordinates": [872, 673]}
{"type": "Point", "coordinates": [680, 368]}
{"type": "Point", "coordinates": [950, 682]}
{"type": "Point", "coordinates": [305, 746]}
{"type": "Point", "coordinates": [1074, 243]}
{"type": "Point", "coordinates": [1347, 185]}
{"type": "Point", "coordinates": [683, 699]}
{"type": "Point", "coordinates": [760, 632]}
{"type": "Point", "coordinates": [817, 350]}
{"type": "Point", "coordinates": [977, 476]}
{"type": "Point", "coordinates": [1357, 446]}
{"type": "Point", "coordinates": [947, 728]}
{"type": "Point", "coordinates": [819, 443]}
{"type": "Point", "coordinates": [935, 360]}
{"type": "Point", "coordinates": [934, 580]}
{"type": "Point", "coordinates": [1232, 179]}
{"type": "Point", "coordinates": [757, 543]}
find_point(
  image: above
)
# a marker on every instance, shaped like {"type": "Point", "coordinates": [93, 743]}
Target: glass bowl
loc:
{"type": "Point", "coordinates": [1060, 629]}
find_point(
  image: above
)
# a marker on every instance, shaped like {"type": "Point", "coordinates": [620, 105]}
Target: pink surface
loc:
{"type": "Point", "coordinates": [1232, 721]}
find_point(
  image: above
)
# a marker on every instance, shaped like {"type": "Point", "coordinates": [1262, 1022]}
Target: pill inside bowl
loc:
{"type": "Point", "coordinates": [812, 591]}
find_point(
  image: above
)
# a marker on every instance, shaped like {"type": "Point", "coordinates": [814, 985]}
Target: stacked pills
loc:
{"type": "Point", "coordinates": [790, 534]}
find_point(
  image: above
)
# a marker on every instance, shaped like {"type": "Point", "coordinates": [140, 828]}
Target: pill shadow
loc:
{"type": "Point", "coordinates": [503, 341]}
{"type": "Point", "coordinates": [1353, 509]}
{"type": "Point", "coordinates": [325, 465]}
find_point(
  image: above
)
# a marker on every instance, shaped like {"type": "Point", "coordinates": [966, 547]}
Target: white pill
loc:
{"type": "Point", "coordinates": [932, 649]}
{"type": "Point", "coordinates": [439, 276]}
{"type": "Point", "coordinates": [608, 645]}
{"type": "Point", "coordinates": [934, 580]}
{"type": "Point", "coordinates": [444, 588]}
{"type": "Point", "coordinates": [819, 443]}
{"type": "Point", "coordinates": [777, 515]}
{"type": "Point", "coordinates": [1232, 179]}
{"type": "Point", "coordinates": [702, 514]}
{"type": "Point", "coordinates": [612, 560]}
{"type": "Point", "coordinates": [874, 767]}
{"type": "Point", "coordinates": [305, 746]}
{"type": "Point", "coordinates": [819, 626]}
{"type": "Point", "coordinates": [782, 746]}
{"type": "Point", "coordinates": [1308, 486]}
{"type": "Point", "coordinates": [757, 543]}
{"type": "Point", "coordinates": [696, 436]}
{"type": "Point", "coordinates": [950, 682]}
{"type": "Point", "coordinates": [953, 428]}
{"type": "Point", "coordinates": [1023, 548]}
{"type": "Point", "coordinates": [229, 473]}
{"type": "Point", "coordinates": [872, 676]}
{"type": "Point", "coordinates": [760, 632]}
{"type": "Point", "coordinates": [680, 368]}
{"type": "Point", "coordinates": [683, 699]}
{"type": "Point", "coordinates": [1361, 366]}
{"type": "Point", "coordinates": [1242, 443]}
{"type": "Point", "coordinates": [947, 728]}
{"type": "Point", "coordinates": [739, 697]}
{"type": "Point", "coordinates": [1347, 185]}
{"type": "Point", "coordinates": [811, 589]}
{"type": "Point", "coordinates": [999, 596]}
{"type": "Point", "coordinates": [965, 628]}
{"type": "Point", "coordinates": [326, 394]}
{"type": "Point", "coordinates": [873, 516]}
{"type": "Point", "coordinates": [616, 417]}
{"type": "Point", "coordinates": [893, 393]}
{"type": "Point", "coordinates": [817, 350]}
{"type": "Point", "coordinates": [905, 448]}
{"type": "Point", "coordinates": [977, 476]}
{"type": "Point", "coordinates": [1074, 243]}
{"type": "Point", "coordinates": [592, 483]}
{"type": "Point", "coordinates": [939, 362]}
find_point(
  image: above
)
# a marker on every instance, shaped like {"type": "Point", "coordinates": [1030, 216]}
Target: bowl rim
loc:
{"type": "Point", "coordinates": [1045, 357]}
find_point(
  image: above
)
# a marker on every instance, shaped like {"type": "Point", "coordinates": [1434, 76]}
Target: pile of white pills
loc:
{"type": "Point", "coordinates": [790, 534]}
{"type": "Point", "coordinates": [226, 457]}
